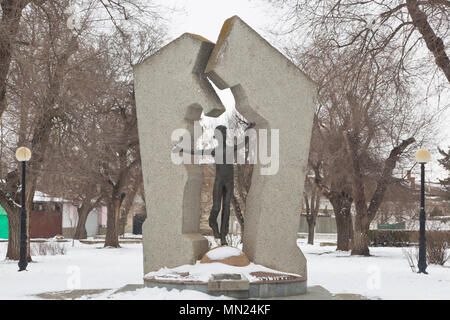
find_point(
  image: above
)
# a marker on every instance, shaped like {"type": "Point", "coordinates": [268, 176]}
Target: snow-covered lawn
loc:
{"type": "Point", "coordinates": [97, 268]}
{"type": "Point", "coordinates": [384, 275]}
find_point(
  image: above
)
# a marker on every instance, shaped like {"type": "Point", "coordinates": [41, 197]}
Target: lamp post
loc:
{"type": "Point", "coordinates": [23, 154]}
{"type": "Point", "coordinates": [422, 156]}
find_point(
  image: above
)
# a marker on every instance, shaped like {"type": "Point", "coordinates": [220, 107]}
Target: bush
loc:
{"type": "Point", "coordinates": [391, 238]}
{"type": "Point", "coordinates": [47, 249]}
{"type": "Point", "coordinates": [438, 243]}
{"type": "Point", "coordinates": [438, 247]}
{"type": "Point", "coordinates": [412, 256]}
{"type": "Point", "coordinates": [404, 238]}
{"type": "Point", "coordinates": [436, 212]}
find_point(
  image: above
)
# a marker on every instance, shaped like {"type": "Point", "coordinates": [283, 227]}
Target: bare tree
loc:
{"type": "Point", "coordinates": [365, 122]}
{"type": "Point", "coordinates": [131, 194]}
{"type": "Point", "coordinates": [38, 109]}
{"type": "Point", "coordinates": [311, 200]}
{"type": "Point", "coordinates": [121, 14]}
{"type": "Point", "coordinates": [445, 163]}
{"type": "Point", "coordinates": [373, 26]}
{"type": "Point", "coordinates": [54, 81]}
{"type": "Point", "coordinates": [11, 14]}
{"type": "Point", "coordinates": [337, 190]}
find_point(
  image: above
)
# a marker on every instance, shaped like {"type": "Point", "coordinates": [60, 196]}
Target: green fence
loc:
{"type": "Point", "coordinates": [3, 224]}
{"type": "Point", "coordinates": [391, 226]}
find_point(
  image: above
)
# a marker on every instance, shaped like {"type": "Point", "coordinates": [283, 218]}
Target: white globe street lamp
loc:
{"type": "Point", "coordinates": [23, 154]}
{"type": "Point", "coordinates": [422, 156]}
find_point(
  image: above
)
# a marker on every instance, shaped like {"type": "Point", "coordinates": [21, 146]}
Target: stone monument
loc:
{"type": "Point", "coordinates": [172, 90]}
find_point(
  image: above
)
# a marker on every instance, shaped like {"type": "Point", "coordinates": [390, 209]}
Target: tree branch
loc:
{"type": "Point", "coordinates": [433, 42]}
{"type": "Point", "coordinates": [383, 182]}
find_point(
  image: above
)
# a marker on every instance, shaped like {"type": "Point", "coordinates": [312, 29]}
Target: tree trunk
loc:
{"type": "Point", "coordinates": [80, 230]}
{"type": "Point", "coordinates": [360, 244]}
{"type": "Point", "coordinates": [341, 200]}
{"type": "Point", "coordinates": [242, 183]}
{"type": "Point", "coordinates": [311, 227]}
{"type": "Point", "coordinates": [344, 228]}
{"type": "Point", "coordinates": [342, 204]}
{"type": "Point", "coordinates": [9, 199]}
{"type": "Point", "coordinates": [13, 252]}
{"type": "Point", "coordinates": [123, 220]}
{"type": "Point", "coordinates": [14, 218]}
{"type": "Point", "coordinates": [112, 224]}
{"type": "Point", "coordinates": [311, 201]}
{"type": "Point", "coordinates": [238, 212]}
{"type": "Point", "coordinates": [126, 207]}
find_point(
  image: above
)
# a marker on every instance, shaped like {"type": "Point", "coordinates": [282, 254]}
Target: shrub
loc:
{"type": "Point", "coordinates": [405, 238]}
{"type": "Point", "coordinates": [47, 249]}
{"type": "Point", "coordinates": [412, 256]}
{"type": "Point", "coordinates": [436, 212]}
{"type": "Point", "coordinates": [391, 238]}
{"type": "Point", "coordinates": [438, 247]}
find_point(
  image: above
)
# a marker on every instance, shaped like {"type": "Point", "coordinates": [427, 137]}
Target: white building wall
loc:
{"type": "Point", "coordinates": [70, 216]}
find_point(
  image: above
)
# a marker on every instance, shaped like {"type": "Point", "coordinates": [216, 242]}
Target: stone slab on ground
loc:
{"type": "Point", "coordinates": [69, 294]}
{"type": "Point", "coordinates": [320, 293]}
{"type": "Point", "coordinates": [241, 284]}
{"type": "Point", "coordinates": [313, 293]}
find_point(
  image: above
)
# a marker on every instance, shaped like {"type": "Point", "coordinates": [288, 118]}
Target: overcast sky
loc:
{"type": "Point", "coordinates": [205, 17]}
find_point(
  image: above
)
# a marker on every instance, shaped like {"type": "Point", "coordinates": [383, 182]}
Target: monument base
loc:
{"type": "Point", "coordinates": [227, 271]}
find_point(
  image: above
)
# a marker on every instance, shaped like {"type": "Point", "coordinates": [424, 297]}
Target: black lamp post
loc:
{"type": "Point", "coordinates": [422, 156]}
{"type": "Point", "coordinates": [23, 154]}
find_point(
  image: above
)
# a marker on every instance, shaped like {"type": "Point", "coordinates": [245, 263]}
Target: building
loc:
{"type": "Point", "coordinates": [51, 216]}
{"type": "Point", "coordinates": [3, 224]}
{"type": "Point", "coordinates": [95, 223]}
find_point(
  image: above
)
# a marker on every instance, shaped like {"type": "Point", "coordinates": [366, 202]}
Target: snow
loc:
{"type": "Point", "coordinates": [431, 224]}
{"type": "Point", "coordinates": [384, 275]}
{"type": "Point", "coordinates": [43, 197]}
{"type": "Point", "coordinates": [221, 253]}
{"type": "Point", "coordinates": [203, 271]}
{"type": "Point", "coordinates": [95, 267]}
{"type": "Point", "coordinates": [153, 294]}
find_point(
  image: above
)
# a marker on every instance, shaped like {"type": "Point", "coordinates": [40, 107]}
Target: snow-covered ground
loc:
{"type": "Point", "coordinates": [83, 266]}
{"type": "Point", "coordinates": [385, 275]}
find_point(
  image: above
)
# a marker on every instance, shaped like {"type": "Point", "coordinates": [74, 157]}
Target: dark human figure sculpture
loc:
{"type": "Point", "coordinates": [224, 180]}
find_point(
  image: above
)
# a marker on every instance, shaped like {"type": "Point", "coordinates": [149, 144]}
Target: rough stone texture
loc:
{"type": "Point", "coordinates": [228, 284]}
{"type": "Point", "coordinates": [274, 93]}
{"type": "Point", "coordinates": [241, 289]}
{"type": "Point", "coordinates": [171, 92]}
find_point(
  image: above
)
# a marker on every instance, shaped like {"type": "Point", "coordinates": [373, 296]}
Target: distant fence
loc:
{"type": "Point", "coordinates": [45, 224]}
{"type": "Point", "coordinates": [324, 224]}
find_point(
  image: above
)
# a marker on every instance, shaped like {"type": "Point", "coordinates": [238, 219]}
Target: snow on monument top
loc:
{"type": "Point", "coordinates": [221, 253]}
